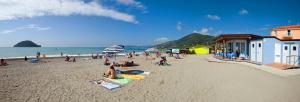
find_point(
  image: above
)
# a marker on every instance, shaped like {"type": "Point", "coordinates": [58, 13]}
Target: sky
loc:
{"type": "Point", "coordinates": [97, 23]}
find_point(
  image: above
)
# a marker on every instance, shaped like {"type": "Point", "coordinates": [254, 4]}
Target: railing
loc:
{"type": "Point", "coordinates": [293, 63]}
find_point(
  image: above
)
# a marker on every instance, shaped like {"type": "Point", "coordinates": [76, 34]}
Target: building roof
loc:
{"type": "Point", "coordinates": [236, 36]}
{"type": "Point", "coordinates": [287, 27]}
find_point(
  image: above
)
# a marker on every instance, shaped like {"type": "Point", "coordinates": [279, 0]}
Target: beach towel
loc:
{"type": "Point", "coordinates": [134, 77]}
{"type": "Point", "coordinates": [106, 84]}
{"type": "Point", "coordinates": [120, 80]}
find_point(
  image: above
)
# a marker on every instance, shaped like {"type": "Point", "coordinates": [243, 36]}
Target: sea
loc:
{"type": "Point", "coordinates": [21, 52]}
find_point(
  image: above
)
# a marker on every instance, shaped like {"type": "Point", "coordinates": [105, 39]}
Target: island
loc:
{"type": "Point", "coordinates": [27, 43]}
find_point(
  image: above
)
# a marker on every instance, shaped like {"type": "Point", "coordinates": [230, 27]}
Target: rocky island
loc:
{"type": "Point", "coordinates": [27, 43]}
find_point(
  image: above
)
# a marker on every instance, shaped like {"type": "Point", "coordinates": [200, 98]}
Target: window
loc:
{"type": "Point", "coordinates": [259, 45]}
{"type": "Point", "coordinates": [252, 45]}
{"type": "Point", "coordinates": [285, 48]}
{"type": "Point", "coordinates": [294, 48]}
{"type": "Point", "coordinates": [288, 32]}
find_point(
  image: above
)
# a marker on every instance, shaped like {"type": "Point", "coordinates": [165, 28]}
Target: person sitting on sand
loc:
{"type": "Point", "coordinates": [111, 72]}
{"type": "Point", "coordinates": [106, 61]}
{"type": "Point", "coordinates": [3, 62]}
{"type": "Point", "coordinates": [67, 59]}
{"type": "Point", "coordinates": [130, 55]}
{"type": "Point", "coordinates": [163, 61]}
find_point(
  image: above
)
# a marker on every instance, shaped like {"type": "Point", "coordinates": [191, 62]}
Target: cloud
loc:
{"type": "Point", "coordinates": [133, 3]}
{"type": "Point", "coordinates": [179, 26]}
{"type": "Point", "coordinates": [204, 31]}
{"type": "Point", "coordinates": [161, 40]}
{"type": "Point", "coordinates": [213, 17]}
{"type": "Point", "coordinates": [18, 9]}
{"type": "Point", "coordinates": [30, 26]}
{"type": "Point", "coordinates": [243, 12]}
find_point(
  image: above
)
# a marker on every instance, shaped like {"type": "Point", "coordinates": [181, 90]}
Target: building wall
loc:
{"type": "Point", "coordinates": [295, 33]}
{"type": "Point", "coordinates": [269, 50]}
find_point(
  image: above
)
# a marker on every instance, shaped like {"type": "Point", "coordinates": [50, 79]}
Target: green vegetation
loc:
{"type": "Point", "coordinates": [194, 39]}
{"type": "Point", "coordinates": [26, 43]}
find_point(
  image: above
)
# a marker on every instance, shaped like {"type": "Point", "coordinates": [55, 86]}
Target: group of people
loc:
{"type": "Point", "coordinates": [68, 59]}
{"type": "Point", "coordinates": [96, 57]}
{"type": "Point", "coordinates": [3, 63]}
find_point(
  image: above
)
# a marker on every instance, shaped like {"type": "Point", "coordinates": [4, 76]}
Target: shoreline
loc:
{"type": "Point", "coordinates": [59, 56]}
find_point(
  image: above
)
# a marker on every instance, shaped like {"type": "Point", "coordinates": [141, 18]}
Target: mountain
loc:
{"type": "Point", "coordinates": [188, 41]}
{"type": "Point", "coordinates": [27, 43]}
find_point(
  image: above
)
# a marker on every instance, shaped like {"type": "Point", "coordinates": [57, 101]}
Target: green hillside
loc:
{"type": "Point", "coordinates": [188, 41]}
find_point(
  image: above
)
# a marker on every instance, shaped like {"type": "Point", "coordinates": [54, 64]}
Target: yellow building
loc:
{"type": "Point", "coordinates": [200, 49]}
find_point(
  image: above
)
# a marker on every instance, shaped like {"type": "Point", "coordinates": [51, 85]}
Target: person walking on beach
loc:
{"type": "Point", "coordinates": [61, 54]}
{"type": "Point", "coordinates": [74, 60]}
{"type": "Point", "coordinates": [38, 54]}
{"type": "Point", "coordinates": [25, 58]}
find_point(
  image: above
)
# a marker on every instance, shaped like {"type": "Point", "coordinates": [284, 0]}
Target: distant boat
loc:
{"type": "Point", "coordinates": [114, 49]}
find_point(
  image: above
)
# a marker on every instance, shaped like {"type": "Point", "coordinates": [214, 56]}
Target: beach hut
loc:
{"type": "Point", "coordinates": [282, 47]}
{"type": "Point", "coordinates": [234, 45]}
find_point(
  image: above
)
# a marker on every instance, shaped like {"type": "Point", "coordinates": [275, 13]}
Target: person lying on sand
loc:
{"type": "Point", "coordinates": [111, 72]}
{"type": "Point", "coordinates": [129, 64]}
{"type": "Point", "coordinates": [3, 63]}
{"type": "Point", "coordinates": [106, 61]}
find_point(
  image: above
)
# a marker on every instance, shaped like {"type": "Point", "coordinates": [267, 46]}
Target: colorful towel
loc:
{"type": "Point", "coordinates": [134, 77]}
{"type": "Point", "coordinates": [120, 80]}
{"type": "Point", "coordinates": [106, 84]}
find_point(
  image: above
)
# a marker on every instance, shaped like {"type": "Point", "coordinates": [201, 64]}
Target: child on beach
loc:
{"type": "Point", "coordinates": [111, 72]}
{"type": "Point", "coordinates": [3, 62]}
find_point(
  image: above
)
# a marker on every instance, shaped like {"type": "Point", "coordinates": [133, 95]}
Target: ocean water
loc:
{"type": "Point", "coordinates": [12, 52]}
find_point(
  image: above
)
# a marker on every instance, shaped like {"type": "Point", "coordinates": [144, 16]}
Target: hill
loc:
{"type": "Point", "coordinates": [27, 43]}
{"type": "Point", "coordinates": [188, 41]}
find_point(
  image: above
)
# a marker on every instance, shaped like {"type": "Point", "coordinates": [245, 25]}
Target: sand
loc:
{"type": "Point", "coordinates": [192, 79]}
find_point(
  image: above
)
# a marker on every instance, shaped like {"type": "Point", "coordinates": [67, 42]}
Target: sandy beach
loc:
{"type": "Point", "coordinates": [191, 79]}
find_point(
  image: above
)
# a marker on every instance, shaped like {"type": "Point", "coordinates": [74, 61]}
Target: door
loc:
{"type": "Point", "coordinates": [253, 51]}
{"type": "Point", "coordinates": [285, 54]}
{"type": "Point", "coordinates": [294, 54]}
{"type": "Point", "coordinates": [259, 51]}
{"type": "Point", "coordinates": [277, 53]}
